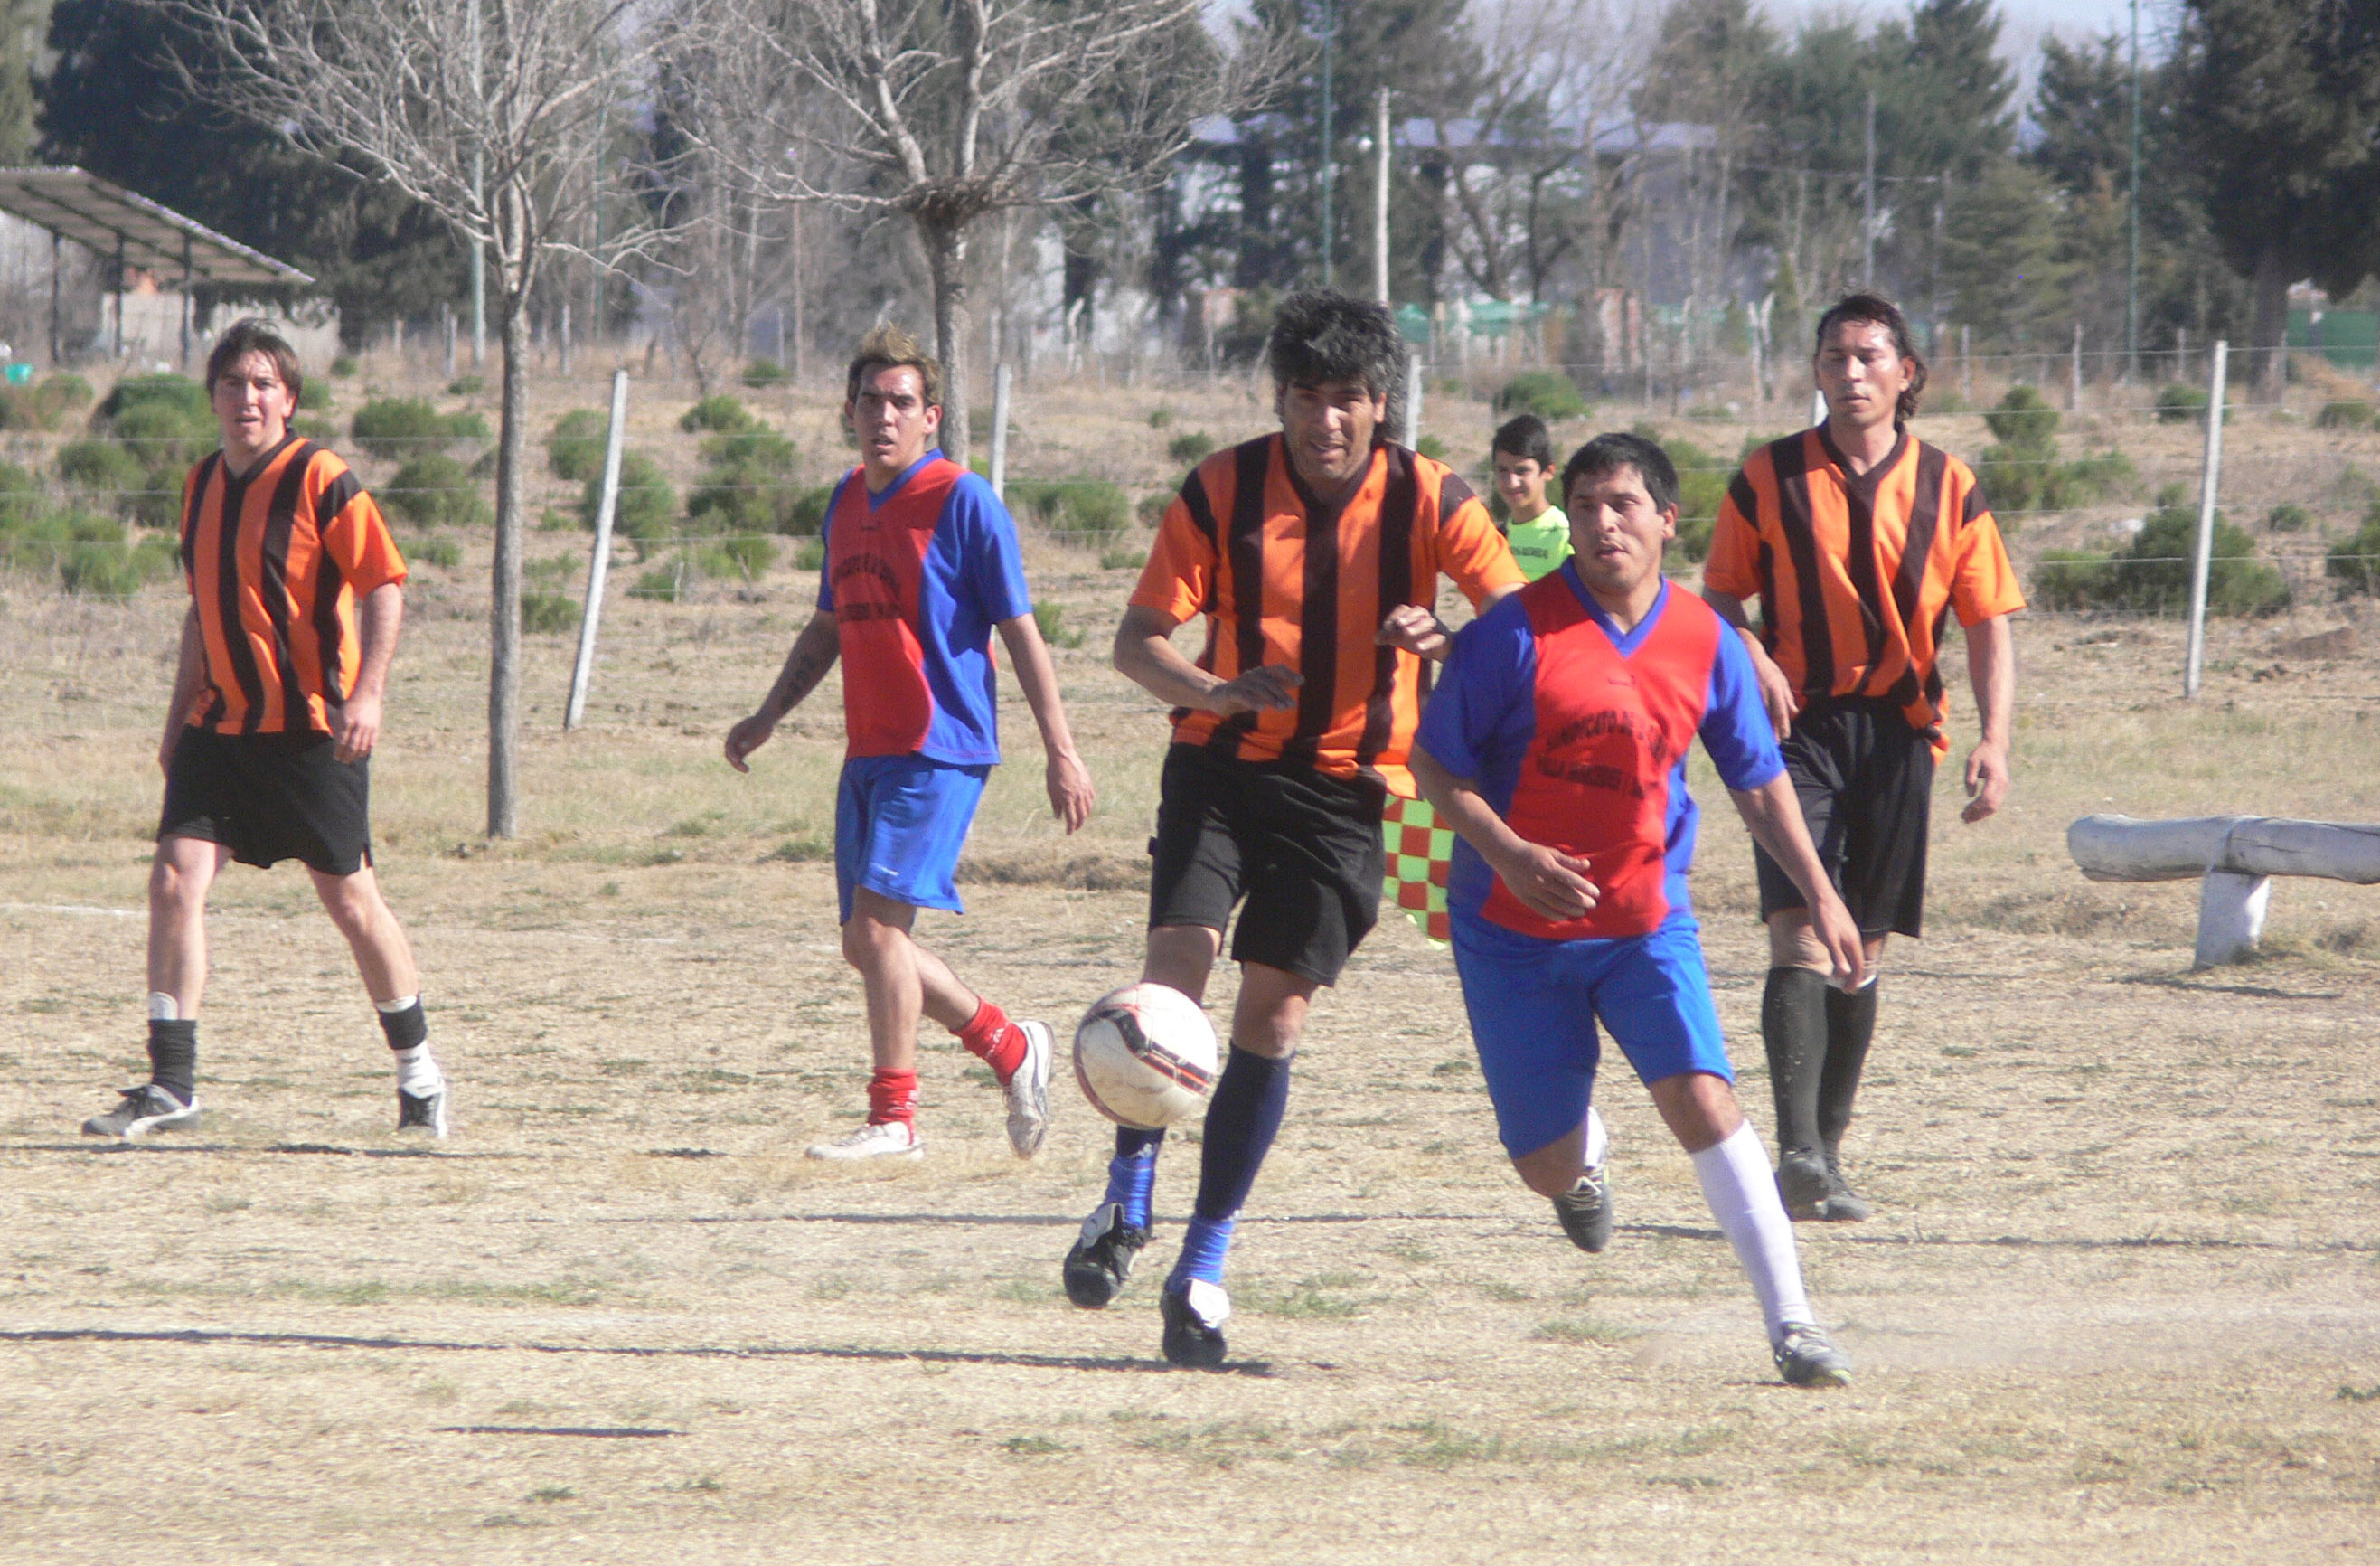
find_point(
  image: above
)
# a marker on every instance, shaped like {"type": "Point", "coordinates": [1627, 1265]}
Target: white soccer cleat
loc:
{"type": "Point", "coordinates": [882, 1139]}
{"type": "Point", "coordinates": [1029, 1090]}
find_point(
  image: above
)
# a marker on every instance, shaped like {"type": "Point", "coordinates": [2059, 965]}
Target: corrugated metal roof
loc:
{"type": "Point", "coordinates": [78, 205]}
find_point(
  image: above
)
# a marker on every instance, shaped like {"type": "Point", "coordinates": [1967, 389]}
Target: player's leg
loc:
{"type": "Point", "coordinates": [1818, 1038]}
{"type": "Point", "coordinates": [1656, 1000]}
{"type": "Point", "coordinates": [1194, 881]}
{"type": "Point", "coordinates": [1313, 862]}
{"type": "Point", "coordinates": [384, 959]}
{"type": "Point", "coordinates": [179, 876]}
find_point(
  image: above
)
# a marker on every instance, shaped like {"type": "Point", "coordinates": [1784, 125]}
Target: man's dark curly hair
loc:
{"type": "Point", "coordinates": [1609, 454]}
{"type": "Point", "coordinates": [1875, 310]}
{"type": "Point", "coordinates": [1320, 334]}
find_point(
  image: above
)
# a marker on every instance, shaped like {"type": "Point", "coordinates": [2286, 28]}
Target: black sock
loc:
{"type": "Point", "coordinates": [1793, 1027]}
{"type": "Point", "coordinates": [1242, 1120]}
{"type": "Point", "coordinates": [406, 1029]}
{"type": "Point", "coordinates": [173, 1057]}
{"type": "Point", "coordinates": [1851, 1024]}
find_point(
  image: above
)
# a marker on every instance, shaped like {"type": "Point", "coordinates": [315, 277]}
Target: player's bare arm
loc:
{"type": "Point", "coordinates": [1144, 654]}
{"type": "Point", "coordinates": [189, 675]}
{"type": "Point", "coordinates": [355, 727]}
{"type": "Point", "coordinates": [1991, 668]}
{"type": "Point", "coordinates": [1776, 690]}
{"type": "Point", "coordinates": [814, 653]}
{"type": "Point", "coordinates": [1069, 780]}
{"type": "Point", "coordinates": [1552, 883]}
{"type": "Point", "coordinates": [1773, 816]}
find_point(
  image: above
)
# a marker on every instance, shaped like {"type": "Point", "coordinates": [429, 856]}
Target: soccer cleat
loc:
{"type": "Point", "coordinates": [1194, 1316]}
{"type": "Point", "coordinates": [423, 1112]}
{"type": "Point", "coordinates": [1802, 1185]}
{"type": "Point", "coordinates": [1585, 1212]}
{"type": "Point", "coordinates": [141, 1110]}
{"type": "Point", "coordinates": [1806, 1358]}
{"type": "Point", "coordinates": [1101, 1259]}
{"type": "Point", "coordinates": [1029, 1090]}
{"type": "Point", "coordinates": [878, 1139]}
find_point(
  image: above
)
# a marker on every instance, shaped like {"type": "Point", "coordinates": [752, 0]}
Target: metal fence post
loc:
{"type": "Point", "coordinates": [1413, 397]}
{"type": "Point", "coordinates": [598, 562]}
{"type": "Point", "coordinates": [1000, 383]}
{"type": "Point", "coordinates": [2208, 483]}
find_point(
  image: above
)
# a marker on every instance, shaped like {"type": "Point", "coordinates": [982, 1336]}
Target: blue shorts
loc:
{"type": "Point", "coordinates": [1533, 1005]}
{"type": "Point", "coordinates": [899, 824]}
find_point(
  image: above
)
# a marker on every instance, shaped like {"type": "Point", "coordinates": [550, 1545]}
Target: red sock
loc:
{"type": "Point", "coordinates": [893, 1094]}
{"type": "Point", "coordinates": [990, 1038]}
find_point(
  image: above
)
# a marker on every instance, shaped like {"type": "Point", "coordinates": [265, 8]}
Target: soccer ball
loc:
{"type": "Point", "coordinates": [1145, 1056]}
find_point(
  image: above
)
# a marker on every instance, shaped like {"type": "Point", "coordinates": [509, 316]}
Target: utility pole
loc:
{"type": "Point", "coordinates": [478, 200]}
{"type": "Point", "coordinates": [1867, 224]}
{"type": "Point", "coordinates": [1380, 209]}
{"type": "Point", "coordinates": [2132, 272]}
{"type": "Point", "coordinates": [1330, 39]}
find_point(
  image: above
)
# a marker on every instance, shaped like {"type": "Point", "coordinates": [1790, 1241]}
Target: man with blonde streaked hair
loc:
{"type": "Point", "coordinates": [921, 568]}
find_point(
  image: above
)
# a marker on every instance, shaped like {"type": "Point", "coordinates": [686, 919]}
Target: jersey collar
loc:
{"type": "Point", "coordinates": [1866, 482]}
{"type": "Point", "coordinates": [1628, 641]}
{"type": "Point", "coordinates": [933, 454]}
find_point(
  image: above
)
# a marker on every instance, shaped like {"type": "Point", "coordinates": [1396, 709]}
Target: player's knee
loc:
{"type": "Point", "coordinates": [1793, 944]}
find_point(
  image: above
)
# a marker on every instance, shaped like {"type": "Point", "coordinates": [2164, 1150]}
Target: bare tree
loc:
{"type": "Point", "coordinates": [948, 110]}
{"type": "Point", "coordinates": [487, 113]}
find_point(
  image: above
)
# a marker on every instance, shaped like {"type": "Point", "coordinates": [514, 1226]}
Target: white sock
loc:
{"type": "Point", "coordinates": [163, 1007]}
{"type": "Point", "coordinates": [1743, 1196]}
{"type": "Point", "coordinates": [1599, 1141]}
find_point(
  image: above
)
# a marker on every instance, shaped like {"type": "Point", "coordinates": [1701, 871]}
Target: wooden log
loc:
{"type": "Point", "coordinates": [2236, 858]}
{"type": "Point", "coordinates": [2120, 848]}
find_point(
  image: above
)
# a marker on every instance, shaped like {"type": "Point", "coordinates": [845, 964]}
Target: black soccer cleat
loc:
{"type": "Point", "coordinates": [141, 1110]}
{"type": "Point", "coordinates": [425, 1113]}
{"type": "Point", "coordinates": [1807, 1358]}
{"type": "Point", "coordinates": [1194, 1316]}
{"type": "Point", "coordinates": [1802, 1185]}
{"type": "Point", "coordinates": [1101, 1259]}
{"type": "Point", "coordinates": [1585, 1212]}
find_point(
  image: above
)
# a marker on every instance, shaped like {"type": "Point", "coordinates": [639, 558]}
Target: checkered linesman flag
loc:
{"type": "Point", "coordinates": [1420, 853]}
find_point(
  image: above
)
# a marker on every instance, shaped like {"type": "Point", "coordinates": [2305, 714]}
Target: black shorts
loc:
{"type": "Point", "coordinates": [270, 797]}
{"type": "Point", "coordinates": [1865, 780]}
{"type": "Point", "coordinates": [1301, 847]}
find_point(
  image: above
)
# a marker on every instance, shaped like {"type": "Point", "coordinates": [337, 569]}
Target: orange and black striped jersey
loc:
{"type": "Point", "coordinates": [1856, 573]}
{"type": "Point", "coordinates": [275, 559]}
{"type": "Point", "coordinates": [1283, 579]}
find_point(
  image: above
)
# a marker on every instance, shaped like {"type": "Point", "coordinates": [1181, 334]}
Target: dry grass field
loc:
{"type": "Point", "coordinates": [2118, 1303]}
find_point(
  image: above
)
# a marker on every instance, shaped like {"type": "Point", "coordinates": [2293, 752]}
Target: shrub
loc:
{"type": "Point", "coordinates": [1131, 558]}
{"type": "Point", "coordinates": [1191, 448]}
{"type": "Point", "coordinates": [2354, 561]}
{"type": "Point", "coordinates": [721, 414]}
{"type": "Point", "coordinates": [178, 392]}
{"type": "Point", "coordinates": [747, 488]}
{"type": "Point", "coordinates": [544, 613]}
{"type": "Point", "coordinates": [396, 428]}
{"type": "Point", "coordinates": [441, 553]}
{"type": "Point", "coordinates": [2152, 575]}
{"type": "Point", "coordinates": [1158, 418]}
{"type": "Point", "coordinates": [343, 365]}
{"type": "Point", "coordinates": [435, 491]}
{"type": "Point", "coordinates": [316, 396]}
{"type": "Point", "coordinates": [465, 426]}
{"type": "Point", "coordinates": [321, 432]}
{"type": "Point", "coordinates": [764, 372]}
{"type": "Point", "coordinates": [1151, 509]}
{"type": "Point", "coordinates": [1090, 511]}
{"type": "Point", "coordinates": [2343, 416]}
{"type": "Point", "coordinates": [744, 556]}
{"type": "Point", "coordinates": [1548, 394]}
{"type": "Point", "coordinates": [466, 386]}
{"type": "Point", "coordinates": [101, 473]}
{"type": "Point", "coordinates": [808, 518]}
{"type": "Point", "coordinates": [45, 406]}
{"type": "Point", "coordinates": [97, 561]}
{"type": "Point", "coordinates": [2023, 418]}
{"type": "Point", "coordinates": [2286, 518]}
{"type": "Point", "coordinates": [2180, 404]}
{"type": "Point", "coordinates": [1431, 447]}
{"type": "Point", "coordinates": [1701, 484]}
{"type": "Point", "coordinates": [21, 500]}
{"type": "Point", "coordinates": [574, 452]}
{"type": "Point", "coordinates": [668, 584]}
{"type": "Point", "coordinates": [1051, 621]}
{"type": "Point", "coordinates": [646, 507]}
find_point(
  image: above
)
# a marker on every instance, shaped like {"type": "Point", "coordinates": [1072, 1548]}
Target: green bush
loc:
{"type": "Point", "coordinates": [178, 392]}
{"type": "Point", "coordinates": [545, 612]}
{"type": "Point", "coordinates": [646, 507]}
{"type": "Point", "coordinates": [2354, 561]}
{"type": "Point", "coordinates": [441, 553]}
{"type": "Point", "coordinates": [2152, 575]}
{"type": "Point", "coordinates": [2286, 518]}
{"type": "Point", "coordinates": [765, 372]}
{"type": "Point", "coordinates": [721, 414]}
{"type": "Point", "coordinates": [748, 486]}
{"type": "Point", "coordinates": [807, 519]}
{"type": "Point", "coordinates": [1550, 394]}
{"type": "Point", "coordinates": [465, 426]}
{"type": "Point", "coordinates": [1431, 447]}
{"type": "Point", "coordinates": [668, 584]}
{"type": "Point", "coordinates": [1091, 512]}
{"type": "Point", "coordinates": [435, 491]}
{"type": "Point", "coordinates": [1129, 558]}
{"type": "Point", "coordinates": [315, 397]}
{"type": "Point", "coordinates": [574, 451]}
{"type": "Point", "coordinates": [21, 498]}
{"type": "Point", "coordinates": [45, 406]}
{"type": "Point", "coordinates": [321, 432]}
{"type": "Point", "coordinates": [744, 555]}
{"type": "Point", "coordinates": [1051, 621]}
{"type": "Point", "coordinates": [2180, 404]}
{"type": "Point", "coordinates": [1190, 448]}
{"type": "Point", "coordinates": [2023, 418]}
{"type": "Point", "coordinates": [466, 386]}
{"type": "Point", "coordinates": [394, 428]}
{"type": "Point", "coordinates": [95, 561]}
{"type": "Point", "coordinates": [1701, 484]}
{"type": "Point", "coordinates": [103, 473]}
{"type": "Point", "coordinates": [343, 365]}
{"type": "Point", "coordinates": [1158, 418]}
{"type": "Point", "coordinates": [2343, 416]}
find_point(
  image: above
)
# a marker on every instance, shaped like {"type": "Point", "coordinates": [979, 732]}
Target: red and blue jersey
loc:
{"type": "Point", "coordinates": [1577, 734]}
{"type": "Point", "coordinates": [916, 577]}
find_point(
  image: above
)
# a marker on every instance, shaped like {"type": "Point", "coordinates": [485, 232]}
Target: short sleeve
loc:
{"type": "Point", "coordinates": [826, 577]}
{"type": "Point", "coordinates": [1735, 728]}
{"type": "Point", "coordinates": [1733, 567]}
{"type": "Point", "coordinates": [1181, 570]}
{"type": "Point", "coordinates": [1982, 582]}
{"type": "Point", "coordinates": [355, 535]}
{"type": "Point", "coordinates": [1470, 549]}
{"type": "Point", "coordinates": [992, 563]}
{"type": "Point", "coordinates": [1483, 708]}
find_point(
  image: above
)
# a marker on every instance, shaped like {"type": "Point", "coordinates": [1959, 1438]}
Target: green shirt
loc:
{"type": "Point", "coordinates": [1541, 544]}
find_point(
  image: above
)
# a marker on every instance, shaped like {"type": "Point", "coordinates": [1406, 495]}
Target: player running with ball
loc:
{"type": "Point", "coordinates": [1555, 744]}
{"type": "Point", "coordinates": [921, 568]}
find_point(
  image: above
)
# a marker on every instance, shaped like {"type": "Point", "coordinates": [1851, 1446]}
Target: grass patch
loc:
{"type": "Point", "coordinates": [1583, 1330]}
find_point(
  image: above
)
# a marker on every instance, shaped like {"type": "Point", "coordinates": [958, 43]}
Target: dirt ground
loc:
{"type": "Point", "coordinates": [2118, 1302]}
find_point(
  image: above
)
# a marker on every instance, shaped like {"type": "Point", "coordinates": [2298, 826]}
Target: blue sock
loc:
{"type": "Point", "coordinates": [1131, 1174]}
{"type": "Point", "coordinates": [1242, 1120]}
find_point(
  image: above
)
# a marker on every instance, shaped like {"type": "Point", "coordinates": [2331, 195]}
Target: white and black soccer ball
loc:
{"type": "Point", "coordinates": [1145, 1056]}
